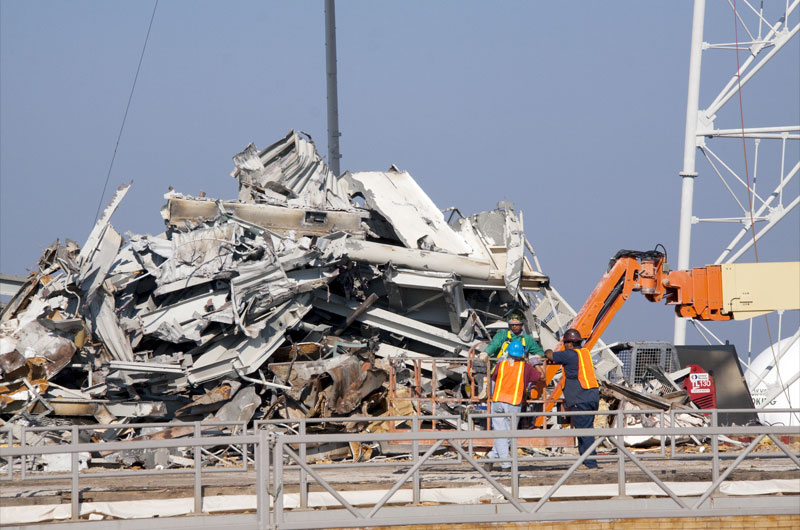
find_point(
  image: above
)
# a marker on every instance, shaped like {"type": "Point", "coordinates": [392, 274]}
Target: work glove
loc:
{"type": "Point", "coordinates": [483, 356]}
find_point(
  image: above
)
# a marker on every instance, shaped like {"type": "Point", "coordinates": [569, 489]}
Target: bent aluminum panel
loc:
{"type": "Point", "coordinates": [413, 215]}
{"type": "Point", "coordinates": [219, 359]}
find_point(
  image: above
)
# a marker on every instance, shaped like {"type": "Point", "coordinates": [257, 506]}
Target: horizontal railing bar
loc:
{"type": "Point", "coordinates": [121, 446]}
{"type": "Point", "coordinates": [354, 419]}
{"type": "Point", "coordinates": [129, 473]}
{"type": "Point", "coordinates": [547, 433]}
{"type": "Point", "coordinates": [121, 426]}
{"type": "Point", "coordinates": [394, 436]}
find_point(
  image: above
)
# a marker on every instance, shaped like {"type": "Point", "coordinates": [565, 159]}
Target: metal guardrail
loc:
{"type": "Point", "coordinates": [277, 453]}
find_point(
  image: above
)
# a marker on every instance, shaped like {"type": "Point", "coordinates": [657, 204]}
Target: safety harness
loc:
{"type": "Point", "coordinates": [509, 341]}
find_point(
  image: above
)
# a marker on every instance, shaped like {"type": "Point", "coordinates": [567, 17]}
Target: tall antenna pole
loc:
{"type": "Point", "coordinates": [688, 173]}
{"type": "Point", "coordinates": [333, 96]}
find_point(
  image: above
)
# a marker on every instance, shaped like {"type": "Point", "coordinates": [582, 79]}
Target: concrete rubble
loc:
{"type": "Point", "coordinates": [311, 295]}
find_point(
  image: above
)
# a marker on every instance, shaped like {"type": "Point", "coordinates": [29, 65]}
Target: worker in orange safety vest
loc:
{"type": "Point", "coordinates": [513, 379]}
{"type": "Point", "coordinates": [581, 391]}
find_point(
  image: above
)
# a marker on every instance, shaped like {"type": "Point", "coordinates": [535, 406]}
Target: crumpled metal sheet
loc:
{"type": "Point", "coordinates": [106, 325]}
{"type": "Point", "coordinates": [352, 381]}
{"type": "Point", "coordinates": [412, 214]}
{"type": "Point", "coordinates": [10, 360]}
{"type": "Point", "coordinates": [288, 172]}
{"type": "Point", "coordinates": [216, 396]}
{"type": "Point", "coordinates": [200, 253]}
{"type": "Point", "coordinates": [336, 385]}
{"type": "Point", "coordinates": [225, 357]}
{"type": "Point", "coordinates": [241, 408]}
{"type": "Point", "coordinates": [49, 348]}
{"type": "Point", "coordinates": [100, 250]}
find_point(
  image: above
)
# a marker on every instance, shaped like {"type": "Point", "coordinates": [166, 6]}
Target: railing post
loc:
{"type": "Point", "coordinates": [415, 457]}
{"type": "Point", "coordinates": [672, 438]}
{"type": "Point", "coordinates": [621, 478]}
{"type": "Point", "coordinates": [459, 428]}
{"type": "Point", "coordinates": [23, 460]}
{"type": "Point", "coordinates": [470, 444]}
{"type": "Point", "coordinates": [262, 479]}
{"type": "Point", "coordinates": [715, 446]}
{"type": "Point", "coordinates": [75, 501]}
{"type": "Point", "coordinates": [277, 484]}
{"type": "Point", "coordinates": [198, 463]}
{"type": "Point", "coordinates": [9, 441]}
{"type": "Point", "coordinates": [244, 448]}
{"type": "Point", "coordinates": [303, 472]}
{"type": "Point", "coordinates": [514, 463]}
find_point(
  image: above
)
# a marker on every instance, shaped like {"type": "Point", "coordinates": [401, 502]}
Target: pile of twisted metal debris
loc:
{"type": "Point", "coordinates": [302, 266]}
{"type": "Point", "coordinates": [293, 301]}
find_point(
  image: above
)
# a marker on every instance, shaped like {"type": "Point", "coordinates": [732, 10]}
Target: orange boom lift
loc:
{"type": "Point", "coordinates": [714, 292]}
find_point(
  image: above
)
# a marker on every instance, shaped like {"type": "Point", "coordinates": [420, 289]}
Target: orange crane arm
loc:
{"type": "Point", "coordinates": [696, 294]}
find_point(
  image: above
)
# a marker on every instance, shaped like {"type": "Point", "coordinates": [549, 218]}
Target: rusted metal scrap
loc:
{"type": "Point", "coordinates": [334, 386]}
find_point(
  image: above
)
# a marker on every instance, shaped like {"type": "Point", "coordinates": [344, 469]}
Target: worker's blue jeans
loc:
{"type": "Point", "coordinates": [500, 448]}
{"type": "Point", "coordinates": [584, 422]}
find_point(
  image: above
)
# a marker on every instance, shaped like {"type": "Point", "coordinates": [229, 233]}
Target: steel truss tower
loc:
{"type": "Point", "coordinates": [751, 153]}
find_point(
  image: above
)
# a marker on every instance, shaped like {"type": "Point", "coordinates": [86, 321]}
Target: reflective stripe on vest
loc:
{"type": "Point", "coordinates": [509, 341]}
{"type": "Point", "coordinates": [508, 386]}
{"type": "Point", "coordinates": [586, 375]}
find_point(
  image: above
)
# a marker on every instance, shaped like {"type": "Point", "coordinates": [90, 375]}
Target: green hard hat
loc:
{"type": "Point", "coordinates": [514, 318]}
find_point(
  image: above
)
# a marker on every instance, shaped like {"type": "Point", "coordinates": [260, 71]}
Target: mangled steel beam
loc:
{"type": "Point", "coordinates": [277, 219]}
{"type": "Point", "coordinates": [423, 260]}
{"type": "Point", "coordinates": [121, 409]}
{"type": "Point", "coordinates": [146, 367]}
{"type": "Point", "coordinates": [515, 252]}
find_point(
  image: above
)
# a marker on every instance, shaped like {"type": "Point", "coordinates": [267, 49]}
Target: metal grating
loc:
{"type": "Point", "coordinates": [639, 355]}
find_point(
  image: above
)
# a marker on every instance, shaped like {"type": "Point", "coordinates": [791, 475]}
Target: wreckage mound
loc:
{"type": "Point", "coordinates": [291, 301]}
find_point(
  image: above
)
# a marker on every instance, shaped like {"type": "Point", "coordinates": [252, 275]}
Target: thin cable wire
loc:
{"type": "Point", "coordinates": [125, 117]}
{"type": "Point", "coordinates": [749, 195]}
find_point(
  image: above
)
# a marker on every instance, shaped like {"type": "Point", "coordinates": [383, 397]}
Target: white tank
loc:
{"type": "Point", "coordinates": [788, 368]}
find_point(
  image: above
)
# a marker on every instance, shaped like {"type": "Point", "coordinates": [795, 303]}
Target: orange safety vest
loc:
{"type": "Point", "coordinates": [509, 387]}
{"type": "Point", "coordinates": [586, 375]}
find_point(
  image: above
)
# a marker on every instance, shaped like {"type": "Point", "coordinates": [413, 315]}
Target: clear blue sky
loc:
{"type": "Point", "coordinates": [572, 110]}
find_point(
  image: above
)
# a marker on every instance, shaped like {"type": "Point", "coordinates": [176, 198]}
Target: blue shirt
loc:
{"type": "Point", "coordinates": [574, 393]}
